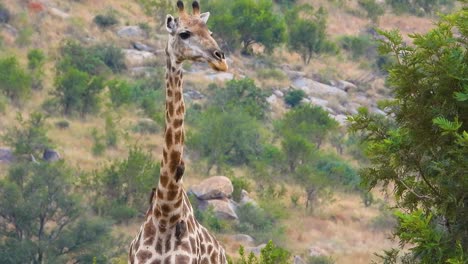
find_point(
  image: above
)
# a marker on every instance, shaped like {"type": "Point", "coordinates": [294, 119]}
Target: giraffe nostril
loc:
{"type": "Point", "coordinates": [219, 55]}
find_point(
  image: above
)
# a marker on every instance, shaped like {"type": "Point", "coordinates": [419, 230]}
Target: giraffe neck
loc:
{"type": "Point", "coordinates": [169, 195]}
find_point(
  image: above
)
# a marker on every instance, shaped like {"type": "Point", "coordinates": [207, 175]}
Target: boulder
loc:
{"type": "Point", "coordinates": [193, 94]}
{"type": "Point", "coordinates": [245, 199]}
{"type": "Point", "coordinates": [318, 102]}
{"type": "Point", "coordinates": [317, 89]}
{"type": "Point", "coordinates": [317, 251]}
{"type": "Point", "coordinates": [221, 76]}
{"type": "Point", "coordinates": [142, 47]}
{"type": "Point", "coordinates": [272, 99]}
{"type": "Point", "coordinates": [278, 93]}
{"type": "Point", "coordinates": [137, 58]}
{"type": "Point", "coordinates": [6, 155]}
{"type": "Point", "coordinates": [223, 208]}
{"type": "Point", "coordinates": [256, 250]}
{"type": "Point", "coordinates": [131, 32]}
{"type": "Point", "coordinates": [243, 239]}
{"type": "Point", "coordinates": [341, 119]}
{"type": "Point", "coordinates": [345, 85]}
{"type": "Point", "coordinates": [50, 155]}
{"type": "Point", "coordinates": [298, 260]}
{"type": "Point", "coordinates": [58, 13]}
{"type": "Point", "coordinates": [217, 187]}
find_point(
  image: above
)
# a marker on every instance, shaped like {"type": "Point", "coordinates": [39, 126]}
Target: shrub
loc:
{"type": "Point", "coordinates": [359, 46]}
{"type": "Point", "coordinates": [30, 137]}
{"type": "Point", "coordinates": [120, 92]}
{"type": "Point", "coordinates": [105, 21]}
{"type": "Point", "coordinates": [338, 171]}
{"type": "Point", "coordinates": [259, 223]}
{"type": "Point", "coordinates": [239, 184]}
{"type": "Point", "coordinates": [272, 74]}
{"type": "Point", "coordinates": [36, 60]}
{"type": "Point", "coordinates": [15, 83]}
{"type": "Point", "coordinates": [293, 98]}
{"type": "Point", "coordinates": [111, 56]}
{"type": "Point", "coordinates": [111, 133]}
{"type": "Point", "coordinates": [98, 143]}
{"type": "Point", "coordinates": [270, 254]}
{"type": "Point", "coordinates": [5, 15]}
{"type": "Point", "coordinates": [146, 127]}
{"type": "Point", "coordinates": [320, 260]}
{"type": "Point", "coordinates": [62, 124]}
{"type": "Point", "coordinates": [374, 10]}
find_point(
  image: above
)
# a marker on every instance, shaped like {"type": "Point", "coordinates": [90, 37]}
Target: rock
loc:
{"type": "Point", "coordinates": [243, 239]}
{"type": "Point", "coordinates": [298, 260]}
{"type": "Point", "coordinates": [317, 89]}
{"type": "Point", "coordinates": [217, 187]}
{"type": "Point", "coordinates": [272, 99]}
{"type": "Point", "coordinates": [316, 251]}
{"type": "Point", "coordinates": [377, 111]}
{"type": "Point", "coordinates": [131, 32]}
{"type": "Point", "coordinates": [256, 250]}
{"type": "Point", "coordinates": [50, 155]}
{"type": "Point", "coordinates": [222, 76]}
{"type": "Point", "coordinates": [278, 93]}
{"type": "Point", "coordinates": [58, 13]}
{"type": "Point", "coordinates": [141, 71]}
{"type": "Point", "coordinates": [193, 94]}
{"type": "Point", "coordinates": [6, 156]}
{"type": "Point", "coordinates": [317, 101]}
{"type": "Point", "coordinates": [294, 74]}
{"type": "Point", "coordinates": [245, 199]}
{"type": "Point", "coordinates": [223, 208]}
{"type": "Point", "coordinates": [342, 119]}
{"type": "Point", "coordinates": [142, 47]}
{"type": "Point", "coordinates": [345, 85]}
{"type": "Point", "coordinates": [136, 58]}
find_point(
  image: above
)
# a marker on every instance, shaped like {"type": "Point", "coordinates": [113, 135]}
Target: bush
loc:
{"type": "Point", "coordinates": [359, 46]}
{"type": "Point", "coordinates": [146, 127]}
{"type": "Point", "coordinates": [4, 14]}
{"type": "Point", "coordinates": [293, 98]}
{"type": "Point", "coordinates": [62, 124]}
{"type": "Point", "coordinates": [374, 10]}
{"type": "Point", "coordinates": [105, 21]}
{"type": "Point", "coordinates": [120, 92]}
{"type": "Point", "coordinates": [36, 60]}
{"type": "Point", "coordinates": [259, 223]}
{"type": "Point", "coordinates": [271, 74]}
{"type": "Point", "coordinates": [270, 254]}
{"type": "Point", "coordinates": [239, 184]}
{"type": "Point", "coordinates": [15, 83]}
{"type": "Point", "coordinates": [320, 260]}
{"type": "Point", "coordinates": [111, 56]}
{"type": "Point", "coordinates": [98, 143]}
{"type": "Point", "coordinates": [30, 137]}
{"type": "Point", "coordinates": [111, 133]}
{"type": "Point", "coordinates": [338, 171]}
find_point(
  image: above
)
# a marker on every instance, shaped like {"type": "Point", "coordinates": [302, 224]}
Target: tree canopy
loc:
{"type": "Point", "coordinates": [423, 151]}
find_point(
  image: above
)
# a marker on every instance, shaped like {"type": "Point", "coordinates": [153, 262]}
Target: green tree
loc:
{"type": "Point", "coordinates": [307, 32]}
{"type": "Point", "coordinates": [242, 94]}
{"type": "Point", "coordinates": [122, 188]}
{"type": "Point", "coordinates": [294, 97]}
{"type": "Point", "coordinates": [310, 122]}
{"type": "Point", "coordinates": [374, 10]}
{"type": "Point", "coordinates": [30, 137]}
{"type": "Point", "coordinates": [36, 61]}
{"type": "Point", "coordinates": [423, 150]}
{"type": "Point", "coordinates": [245, 22]}
{"type": "Point", "coordinates": [15, 83]}
{"type": "Point", "coordinates": [226, 137]}
{"type": "Point", "coordinates": [77, 91]}
{"type": "Point", "coordinates": [42, 222]}
{"type": "Point", "coordinates": [270, 254]}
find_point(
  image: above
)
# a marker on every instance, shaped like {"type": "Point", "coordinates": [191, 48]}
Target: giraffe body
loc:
{"type": "Point", "coordinates": [170, 233]}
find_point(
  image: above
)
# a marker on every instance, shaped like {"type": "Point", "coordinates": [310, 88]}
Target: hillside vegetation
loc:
{"type": "Point", "coordinates": [344, 141]}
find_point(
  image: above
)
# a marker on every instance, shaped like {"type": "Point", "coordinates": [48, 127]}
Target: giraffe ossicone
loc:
{"type": "Point", "coordinates": [170, 232]}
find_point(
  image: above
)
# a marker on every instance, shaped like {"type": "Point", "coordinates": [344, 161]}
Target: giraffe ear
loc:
{"type": "Point", "coordinates": [204, 17]}
{"type": "Point", "coordinates": [171, 24]}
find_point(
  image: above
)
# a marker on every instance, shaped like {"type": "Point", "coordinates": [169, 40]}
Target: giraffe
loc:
{"type": "Point", "coordinates": [170, 232]}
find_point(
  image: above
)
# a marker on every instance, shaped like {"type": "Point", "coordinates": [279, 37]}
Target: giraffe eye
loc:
{"type": "Point", "coordinates": [185, 35]}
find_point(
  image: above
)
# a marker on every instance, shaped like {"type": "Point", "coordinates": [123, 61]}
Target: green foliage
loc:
{"type": "Point", "coordinates": [111, 133]}
{"type": "Point", "coordinates": [146, 127]}
{"type": "Point", "coordinates": [15, 83]}
{"type": "Point", "coordinates": [43, 222]}
{"type": "Point", "coordinates": [230, 137]}
{"type": "Point", "coordinates": [98, 143]}
{"type": "Point", "coordinates": [310, 122]}
{"type": "Point", "coordinates": [208, 217]}
{"type": "Point", "coordinates": [36, 61]}
{"type": "Point", "coordinates": [111, 56]}
{"type": "Point", "coordinates": [105, 21]}
{"type": "Point", "coordinates": [122, 188]}
{"type": "Point", "coordinates": [271, 73]}
{"type": "Point", "coordinates": [423, 151]}
{"type": "Point", "coordinates": [158, 8]}
{"type": "Point", "coordinates": [239, 184]}
{"type": "Point", "coordinates": [338, 171]}
{"type": "Point", "coordinates": [243, 94]}
{"type": "Point", "coordinates": [258, 223]}
{"type": "Point", "coordinates": [120, 92]}
{"type": "Point", "coordinates": [418, 7]}
{"type": "Point", "coordinates": [307, 32]}
{"type": "Point", "coordinates": [297, 150]}
{"type": "Point", "coordinates": [293, 98]}
{"type": "Point", "coordinates": [62, 124]}
{"type": "Point", "coordinates": [374, 10]}
{"type": "Point", "coordinates": [78, 92]}
{"type": "Point", "coordinates": [270, 254]}
{"type": "Point", "coordinates": [359, 46]}
{"type": "Point", "coordinates": [320, 260]}
{"type": "Point", "coordinates": [30, 137]}
{"type": "Point", "coordinates": [259, 23]}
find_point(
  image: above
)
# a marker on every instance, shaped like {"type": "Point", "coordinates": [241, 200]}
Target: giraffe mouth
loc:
{"type": "Point", "coordinates": [219, 65]}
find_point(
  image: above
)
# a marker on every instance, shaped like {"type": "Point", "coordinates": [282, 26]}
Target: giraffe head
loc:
{"type": "Point", "coordinates": [190, 38]}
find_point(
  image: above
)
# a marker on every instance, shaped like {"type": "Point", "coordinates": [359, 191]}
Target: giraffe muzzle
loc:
{"type": "Point", "coordinates": [219, 61]}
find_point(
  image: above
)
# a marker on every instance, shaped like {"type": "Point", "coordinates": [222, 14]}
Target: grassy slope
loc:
{"type": "Point", "coordinates": [341, 228]}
